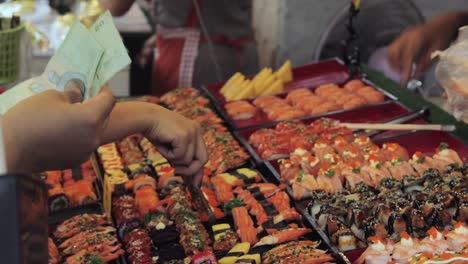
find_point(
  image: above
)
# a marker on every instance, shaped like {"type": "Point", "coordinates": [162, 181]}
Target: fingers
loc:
{"type": "Point", "coordinates": [100, 106]}
{"type": "Point", "coordinates": [404, 50]}
{"type": "Point", "coordinates": [194, 166]}
{"type": "Point", "coordinates": [423, 64]}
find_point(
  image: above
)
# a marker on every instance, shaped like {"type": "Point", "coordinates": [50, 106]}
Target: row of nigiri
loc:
{"type": "Point", "coordinates": [303, 102]}
{"type": "Point", "coordinates": [446, 246]}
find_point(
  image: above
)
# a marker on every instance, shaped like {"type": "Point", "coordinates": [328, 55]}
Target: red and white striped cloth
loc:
{"type": "Point", "coordinates": [189, 51]}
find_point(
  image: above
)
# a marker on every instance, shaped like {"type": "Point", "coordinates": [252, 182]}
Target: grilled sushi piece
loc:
{"type": "Point", "coordinates": [249, 259]}
{"type": "Point", "coordinates": [235, 253]}
{"type": "Point", "coordinates": [282, 236]}
{"type": "Point", "coordinates": [224, 237]}
{"type": "Point", "coordinates": [54, 255]}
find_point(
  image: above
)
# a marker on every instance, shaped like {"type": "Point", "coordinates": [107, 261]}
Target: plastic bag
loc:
{"type": "Point", "coordinates": [452, 74]}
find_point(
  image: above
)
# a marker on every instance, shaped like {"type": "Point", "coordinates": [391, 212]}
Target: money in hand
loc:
{"type": "Point", "coordinates": [88, 58]}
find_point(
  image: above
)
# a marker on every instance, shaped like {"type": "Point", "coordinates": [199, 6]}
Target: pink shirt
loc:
{"type": "Point", "coordinates": [2, 151]}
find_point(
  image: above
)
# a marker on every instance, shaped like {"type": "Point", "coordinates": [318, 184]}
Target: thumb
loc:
{"type": "Point", "coordinates": [100, 105]}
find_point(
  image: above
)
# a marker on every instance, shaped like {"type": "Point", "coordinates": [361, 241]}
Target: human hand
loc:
{"type": "Point", "coordinates": [180, 141]}
{"type": "Point", "coordinates": [416, 44]}
{"type": "Point", "coordinates": [146, 52]}
{"type": "Point", "coordinates": [52, 130]}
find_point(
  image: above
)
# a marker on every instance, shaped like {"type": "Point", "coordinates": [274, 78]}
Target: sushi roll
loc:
{"type": "Point", "coordinates": [57, 199]}
{"type": "Point", "coordinates": [240, 177]}
{"type": "Point", "coordinates": [236, 252]}
{"type": "Point", "coordinates": [225, 238]}
{"type": "Point", "coordinates": [249, 259]}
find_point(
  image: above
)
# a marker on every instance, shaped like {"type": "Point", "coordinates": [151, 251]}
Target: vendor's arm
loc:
{"type": "Point", "coordinates": [117, 7]}
{"type": "Point", "coordinates": [416, 44]}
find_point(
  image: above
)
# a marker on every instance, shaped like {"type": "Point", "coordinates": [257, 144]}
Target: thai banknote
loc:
{"type": "Point", "coordinates": [87, 59]}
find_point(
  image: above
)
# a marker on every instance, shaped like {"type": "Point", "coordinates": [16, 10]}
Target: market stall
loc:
{"type": "Point", "coordinates": [325, 163]}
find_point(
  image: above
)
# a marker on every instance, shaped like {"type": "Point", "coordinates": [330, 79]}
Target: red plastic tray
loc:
{"type": "Point", "coordinates": [310, 76]}
{"type": "Point", "coordinates": [368, 114]}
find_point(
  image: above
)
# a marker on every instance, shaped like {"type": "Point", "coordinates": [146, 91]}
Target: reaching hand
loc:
{"type": "Point", "coordinates": [416, 44]}
{"type": "Point", "coordinates": [180, 141]}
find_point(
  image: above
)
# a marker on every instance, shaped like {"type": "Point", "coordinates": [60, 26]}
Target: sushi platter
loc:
{"type": "Point", "coordinates": [302, 190]}
{"type": "Point", "coordinates": [307, 95]}
{"type": "Point", "coordinates": [252, 216]}
{"type": "Point", "coordinates": [72, 187]}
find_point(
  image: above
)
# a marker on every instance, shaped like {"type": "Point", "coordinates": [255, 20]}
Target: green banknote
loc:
{"type": "Point", "coordinates": [115, 56]}
{"type": "Point", "coordinates": [86, 58]}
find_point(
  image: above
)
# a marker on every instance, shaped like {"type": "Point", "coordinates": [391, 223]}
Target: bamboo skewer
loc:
{"type": "Point", "coordinates": [448, 128]}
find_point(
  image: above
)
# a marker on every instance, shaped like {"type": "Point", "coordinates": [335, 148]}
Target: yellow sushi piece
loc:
{"type": "Point", "coordinates": [262, 76]}
{"type": "Point", "coordinates": [231, 81]}
{"type": "Point", "coordinates": [247, 172]}
{"type": "Point", "coordinates": [285, 72]}
{"type": "Point", "coordinates": [246, 91]}
{"type": "Point", "coordinates": [235, 253]}
{"type": "Point", "coordinates": [235, 87]}
{"type": "Point", "coordinates": [275, 88]}
{"type": "Point", "coordinates": [228, 178]}
{"type": "Point", "coordinates": [249, 258]}
{"type": "Point", "coordinates": [220, 230]}
{"type": "Point", "coordinates": [228, 260]}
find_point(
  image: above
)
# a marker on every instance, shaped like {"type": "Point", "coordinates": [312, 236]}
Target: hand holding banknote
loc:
{"type": "Point", "coordinates": [86, 58]}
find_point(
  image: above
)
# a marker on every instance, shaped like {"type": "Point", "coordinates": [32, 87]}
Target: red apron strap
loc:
{"type": "Point", "coordinates": [192, 21]}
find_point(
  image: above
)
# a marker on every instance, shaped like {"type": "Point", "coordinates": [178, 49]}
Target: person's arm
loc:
{"type": "Point", "coordinates": [117, 7]}
{"type": "Point", "coordinates": [416, 44]}
{"type": "Point", "coordinates": [48, 132]}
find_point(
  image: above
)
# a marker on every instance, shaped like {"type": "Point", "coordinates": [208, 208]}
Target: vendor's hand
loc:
{"type": "Point", "coordinates": [146, 53]}
{"type": "Point", "coordinates": [180, 141]}
{"type": "Point", "coordinates": [416, 45]}
{"type": "Point", "coordinates": [50, 131]}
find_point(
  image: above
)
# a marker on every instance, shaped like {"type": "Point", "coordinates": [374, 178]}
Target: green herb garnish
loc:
{"type": "Point", "coordinates": [356, 170]}
{"type": "Point", "coordinates": [233, 203]}
{"type": "Point", "coordinates": [300, 178]}
{"type": "Point", "coordinates": [379, 165]}
{"type": "Point", "coordinates": [421, 159]}
{"type": "Point", "coordinates": [329, 173]}
{"type": "Point", "coordinates": [95, 260]}
{"type": "Point", "coordinates": [443, 146]}
{"type": "Point", "coordinates": [152, 216]}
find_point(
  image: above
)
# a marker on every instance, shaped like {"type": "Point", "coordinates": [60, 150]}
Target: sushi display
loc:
{"type": "Point", "coordinates": [224, 151]}
{"type": "Point", "coordinates": [411, 204]}
{"type": "Point", "coordinates": [284, 138]}
{"type": "Point", "coordinates": [83, 239]}
{"type": "Point", "coordinates": [307, 102]}
{"type": "Point", "coordinates": [448, 246]}
{"type": "Point", "coordinates": [71, 188]}
{"type": "Point", "coordinates": [266, 82]}
{"type": "Point", "coordinates": [304, 251]}
{"type": "Point", "coordinates": [157, 205]}
{"type": "Point", "coordinates": [344, 164]}
{"type": "Point", "coordinates": [336, 190]}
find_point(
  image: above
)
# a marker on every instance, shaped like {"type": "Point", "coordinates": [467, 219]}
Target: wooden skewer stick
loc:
{"type": "Point", "coordinates": [448, 128]}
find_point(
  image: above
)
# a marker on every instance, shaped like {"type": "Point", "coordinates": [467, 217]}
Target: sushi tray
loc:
{"type": "Point", "coordinates": [83, 235]}
{"type": "Point", "coordinates": [316, 90]}
{"type": "Point", "coordinates": [147, 201]}
{"type": "Point", "coordinates": [279, 140]}
{"type": "Point", "coordinates": [353, 188]}
{"type": "Point", "coordinates": [71, 188]}
{"type": "Point", "coordinates": [255, 220]}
